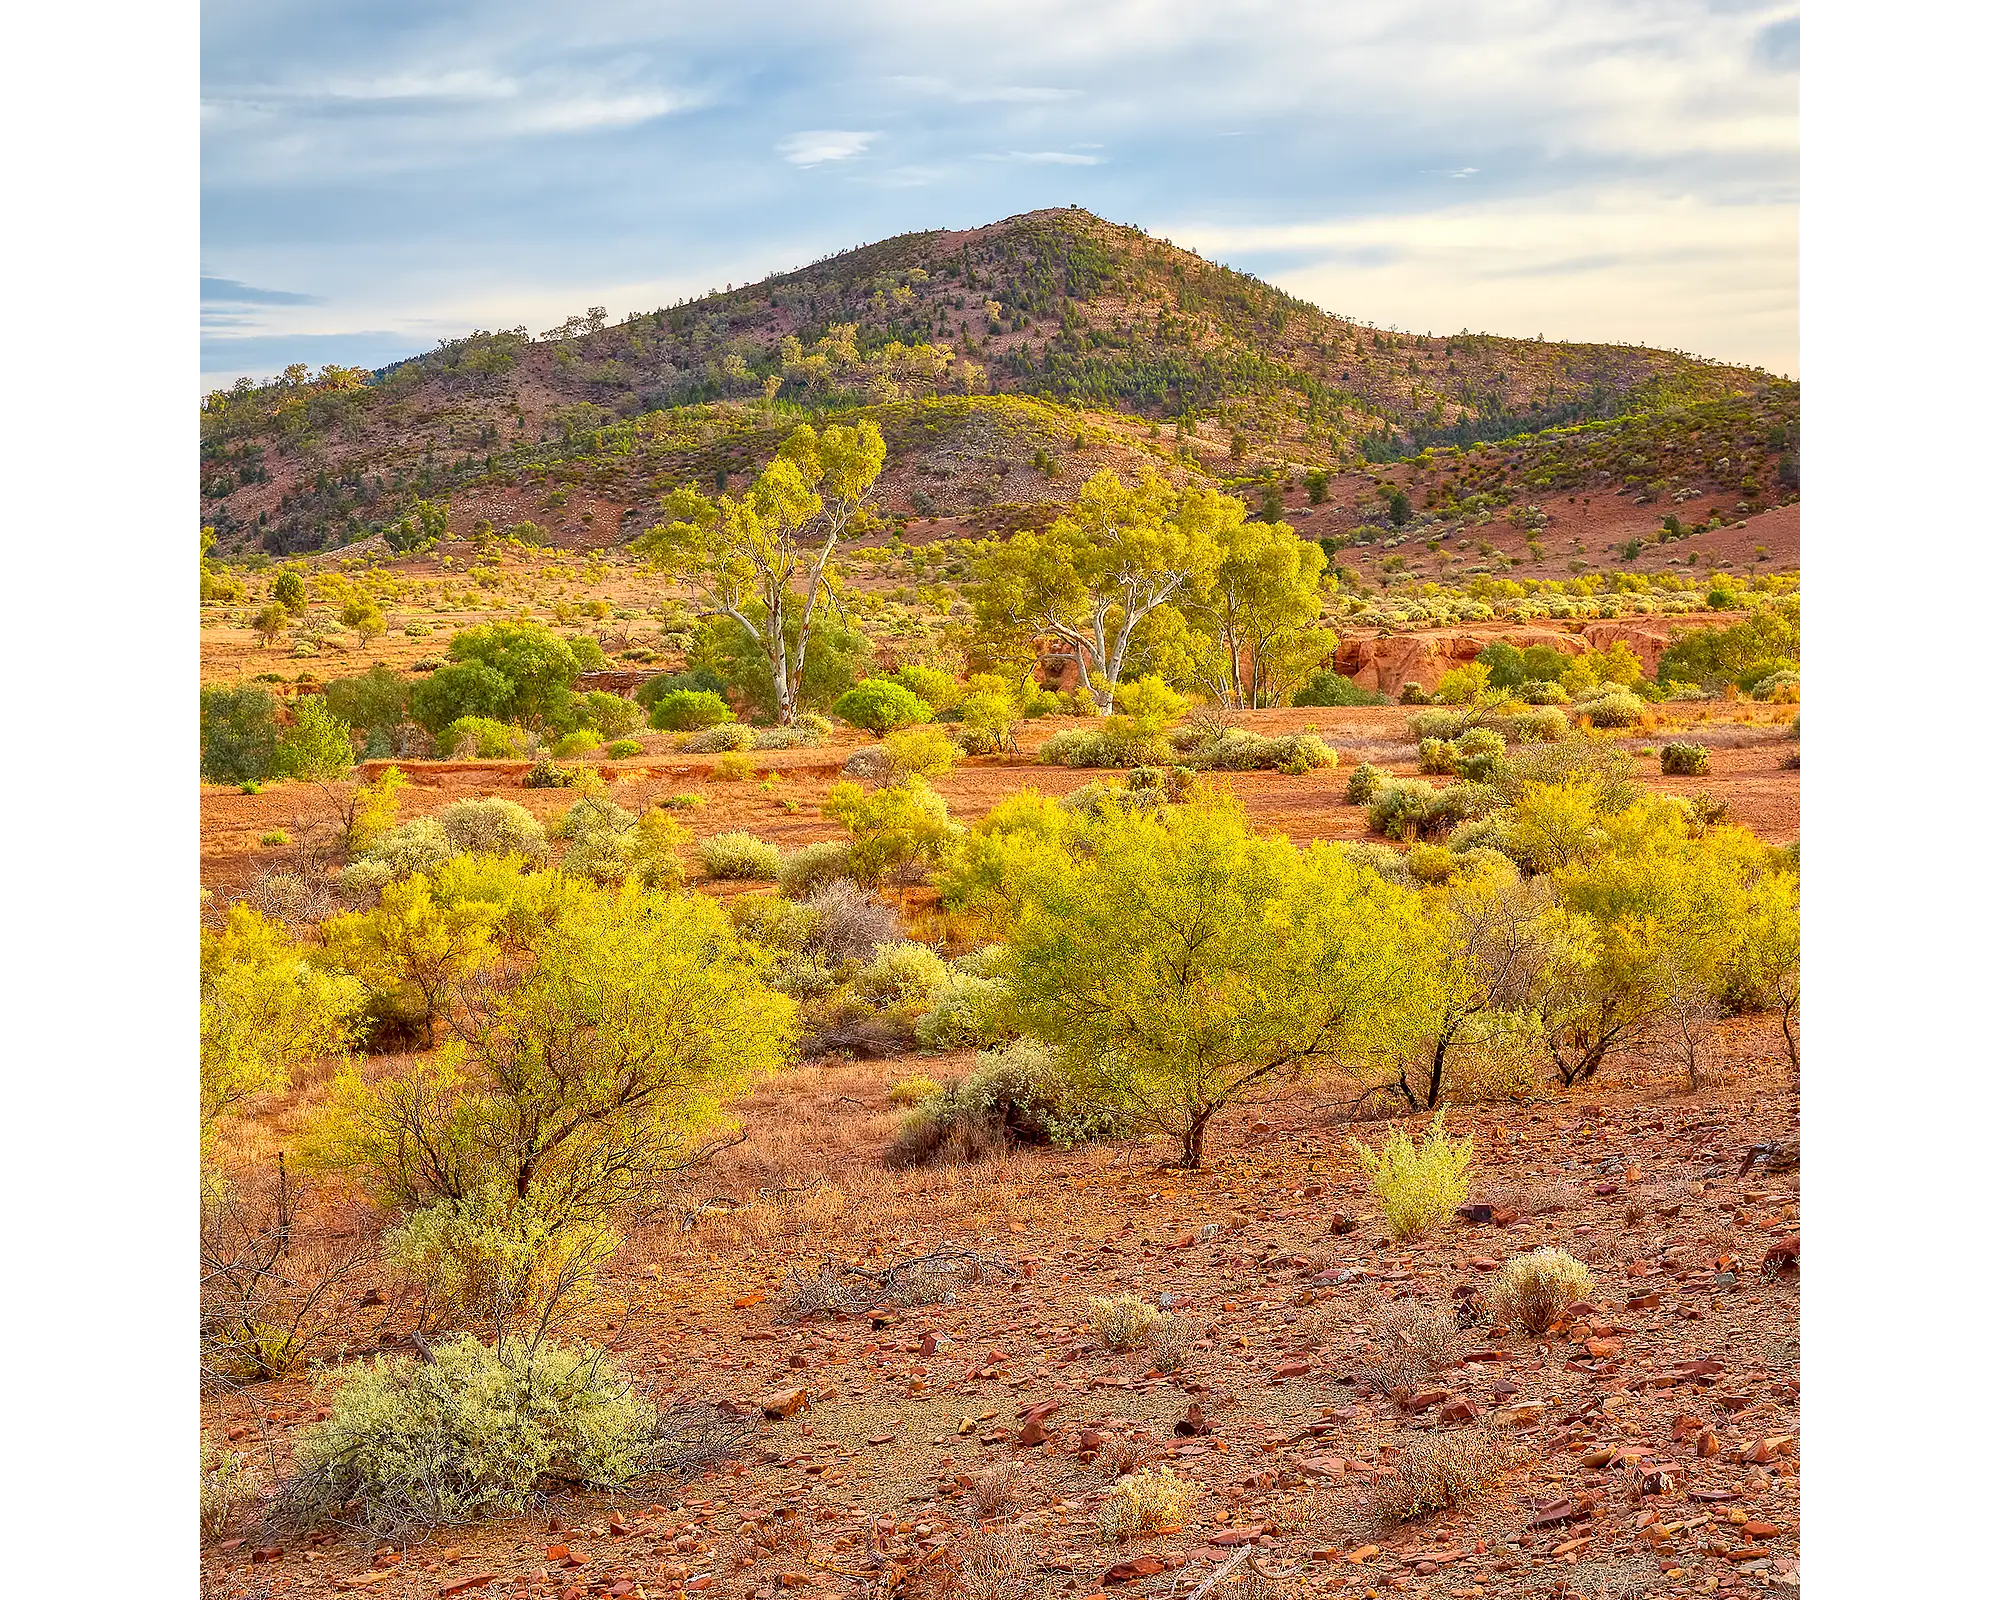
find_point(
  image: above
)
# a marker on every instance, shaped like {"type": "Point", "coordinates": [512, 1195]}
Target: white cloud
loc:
{"type": "Point", "coordinates": [1672, 270]}
{"type": "Point", "coordinates": [817, 145]}
{"type": "Point", "coordinates": [1049, 158]}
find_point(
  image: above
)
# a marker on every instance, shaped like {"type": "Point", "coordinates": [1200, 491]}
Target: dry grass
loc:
{"type": "Point", "coordinates": [1150, 1501]}
{"type": "Point", "coordinates": [1535, 1289]}
{"type": "Point", "coordinates": [1438, 1472]}
{"type": "Point", "coordinates": [1415, 1342]}
{"type": "Point", "coordinates": [1171, 1338]}
{"type": "Point", "coordinates": [998, 1489]}
{"type": "Point", "coordinates": [990, 1564]}
{"type": "Point", "coordinates": [1122, 1322]}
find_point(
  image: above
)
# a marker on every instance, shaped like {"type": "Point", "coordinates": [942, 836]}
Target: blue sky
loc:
{"type": "Point", "coordinates": [378, 176]}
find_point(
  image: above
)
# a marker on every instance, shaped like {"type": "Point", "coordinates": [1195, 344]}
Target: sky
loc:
{"type": "Point", "coordinates": [378, 175]}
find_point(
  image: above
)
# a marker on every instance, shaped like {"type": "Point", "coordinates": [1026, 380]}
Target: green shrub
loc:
{"type": "Point", "coordinates": [695, 680]}
{"type": "Point", "coordinates": [1684, 760]}
{"type": "Point", "coordinates": [813, 865]}
{"type": "Point", "coordinates": [1543, 692]}
{"type": "Point", "coordinates": [880, 704]}
{"type": "Point", "coordinates": [1419, 1185]}
{"type": "Point", "coordinates": [1016, 1094]}
{"type": "Point", "coordinates": [1414, 694]}
{"type": "Point", "coordinates": [963, 1014]}
{"type": "Point", "coordinates": [1477, 754]}
{"type": "Point", "coordinates": [1362, 783]}
{"type": "Point", "coordinates": [732, 767]}
{"type": "Point", "coordinates": [1781, 686]}
{"type": "Point", "coordinates": [622, 749]}
{"type": "Point", "coordinates": [546, 774]}
{"type": "Point", "coordinates": [810, 732]}
{"type": "Point", "coordinates": [1444, 723]}
{"type": "Point", "coordinates": [724, 736]}
{"type": "Point", "coordinates": [1401, 807]}
{"type": "Point", "coordinates": [1240, 750]}
{"type": "Point", "coordinates": [578, 743]}
{"type": "Point", "coordinates": [739, 855]}
{"type": "Point", "coordinates": [1075, 747]}
{"type": "Point", "coordinates": [901, 829]}
{"type": "Point", "coordinates": [239, 734]}
{"type": "Point", "coordinates": [317, 746]}
{"type": "Point", "coordinates": [903, 974]}
{"type": "Point", "coordinates": [1437, 757]}
{"type": "Point", "coordinates": [1612, 707]}
{"type": "Point", "coordinates": [938, 690]}
{"type": "Point", "coordinates": [470, 1431]}
{"type": "Point", "coordinates": [1332, 688]}
{"type": "Point", "coordinates": [688, 710]}
{"type": "Point", "coordinates": [482, 739]}
{"type": "Point", "coordinates": [494, 1257]}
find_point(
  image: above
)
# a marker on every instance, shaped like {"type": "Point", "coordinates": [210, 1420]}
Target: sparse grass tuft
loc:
{"type": "Point", "coordinates": [1152, 1501]}
{"type": "Point", "coordinates": [1438, 1472]}
{"type": "Point", "coordinates": [1535, 1289]}
{"type": "Point", "coordinates": [1122, 1322]}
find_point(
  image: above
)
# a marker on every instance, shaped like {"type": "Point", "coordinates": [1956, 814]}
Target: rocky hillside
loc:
{"type": "Point", "coordinates": [1005, 362]}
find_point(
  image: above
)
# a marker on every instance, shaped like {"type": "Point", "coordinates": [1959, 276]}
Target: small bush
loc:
{"type": "Point", "coordinates": [914, 1090]}
{"type": "Point", "coordinates": [812, 866]}
{"type": "Point", "coordinates": [810, 732]}
{"type": "Point", "coordinates": [880, 704]}
{"type": "Point", "coordinates": [924, 751]}
{"type": "Point", "coordinates": [724, 736]}
{"type": "Point", "coordinates": [224, 1486]}
{"type": "Point", "coordinates": [1684, 760]}
{"type": "Point", "coordinates": [491, 1256]}
{"type": "Point", "coordinates": [1437, 1472]}
{"type": "Point", "coordinates": [1401, 807]}
{"type": "Point", "coordinates": [1336, 689]}
{"type": "Point", "coordinates": [1537, 1288]}
{"type": "Point", "coordinates": [1614, 708]}
{"type": "Point", "coordinates": [1477, 754]}
{"type": "Point", "coordinates": [1152, 1501]}
{"type": "Point", "coordinates": [1539, 726]}
{"type": "Point", "coordinates": [1780, 688]}
{"type": "Point", "coordinates": [962, 1014]}
{"type": "Point", "coordinates": [1171, 1338]}
{"type": "Point", "coordinates": [1362, 783]}
{"type": "Point", "coordinates": [1419, 1185]}
{"type": "Point", "coordinates": [1075, 747]}
{"type": "Point", "coordinates": [1442, 723]}
{"type": "Point", "coordinates": [473, 1431]}
{"type": "Point", "coordinates": [739, 855]}
{"type": "Point", "coordinates": [853, 924]}
{"type": "Point", "coordinates": [578, 743]}
{"type": "Point", "coordinates": [1437, 757]}
{"type": "Point", "coordinates": [903, 974]}
{"type": "Point", "coordinates": [690, 710]}
{"type": "Point", "coordinates": [1413, 694]}
{"type": "Point", "coordinates": [239, 734]}
{"type": "Point", "coordinates": [1016, 1094]}
{"type": "Point", "coordinates": [483, 739]}
{"type": "Point", "coordinates": [1122, 1322]}
{"type": "Point", "coordinates": [493, 827]}
{"type": "Point", "coordinates": [938, 690]}
{"type": "Point", "coordinates": [733, 767]}
{"type": "Point", "coordinates": [621, 749]}
{"type": "Point", "coordinates": [546, 774]}
{"type": "Point", "coordinates": [1239, 750]}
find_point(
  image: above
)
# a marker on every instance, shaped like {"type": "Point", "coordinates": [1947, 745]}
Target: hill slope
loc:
{"type": "Point", "coordinates": [975, 349]}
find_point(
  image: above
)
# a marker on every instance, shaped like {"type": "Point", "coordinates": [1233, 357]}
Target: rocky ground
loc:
{"type": "Point", "coordinates": [954, 1430]}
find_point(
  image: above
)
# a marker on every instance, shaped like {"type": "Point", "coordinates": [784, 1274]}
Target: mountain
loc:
{"type": "Point", "coordinates": [1004, 364]}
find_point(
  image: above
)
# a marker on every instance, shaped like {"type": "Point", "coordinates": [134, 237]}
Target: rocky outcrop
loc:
{"type": "Point", "coordinates": [1387, 661]}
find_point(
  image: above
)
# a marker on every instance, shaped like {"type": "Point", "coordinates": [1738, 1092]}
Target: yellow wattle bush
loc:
{"type": "Point", "coordinates": [1419, 1185]}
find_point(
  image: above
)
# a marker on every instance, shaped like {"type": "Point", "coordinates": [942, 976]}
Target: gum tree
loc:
{"type": "Point", "coordinates": [761, 560]}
